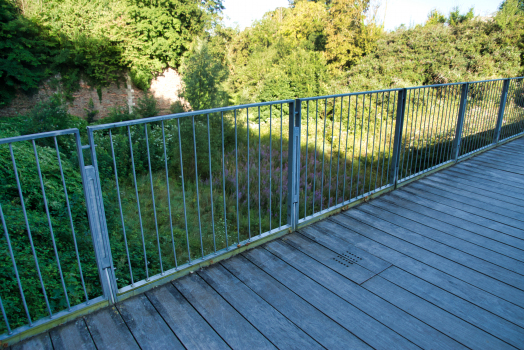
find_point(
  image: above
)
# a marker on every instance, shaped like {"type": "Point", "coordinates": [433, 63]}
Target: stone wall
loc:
{"type": "Point", "coordinates": [164, 88]}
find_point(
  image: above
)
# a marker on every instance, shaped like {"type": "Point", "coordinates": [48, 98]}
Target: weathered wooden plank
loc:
{"type": "Point", "coordinates": [477, 208]}
{"type": "Point", "coordinates": [389, 212]}
{"type": "Point", "coordinates": [73, 335]}
{"type": "Point", "coordinates": [479, 186]}
{"type": "Point", "coordinates": [147, 326]}
{"type": "Point", "coordinates": [492, 200]}
{"type": "Point", "coordinates": [225, 320]}
{"type": "Point", "coordinates": [488, 322]}
{"type": "Point", "coordinates": [39, 342]}
{"type": "Point", "coordinates": [348, 316]}
{"type": "Point", "coordinates": [319, 326]}
{"type": "Point", "coordinates": [416, 193]}
{"type": "Point", "coordinates": [482, 193]}
{"type": "Point", "coordinates": [109, 330]}
{"type": "Point", "coordinates": [450, 325]}
{"type": "Point", "coordinates": [407, 231]}
{"type": "Point", "coordinates": [484, 180]}
{"type": "Point", "coordinates": [501, 176]}
{"type": "Point", "coordinates": [333, 232]}
{"type": "Point", "coordinates": [498, 166]}
{"type": "Point", "coordinates": [314, 322]}
{"type": "Point", "coordinates": [271, 323]}
{"type": "Point", "coordinates": [443, 222]}
{"type": "Point", "coordinates": [192, 330]}
{"type": "Point", "coordinates": [463, 167]}
{"type": "Point", "coordinates": [501, 157]}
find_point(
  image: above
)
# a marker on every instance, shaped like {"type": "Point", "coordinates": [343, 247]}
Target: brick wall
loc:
{"type": "Point", "coordinates": [164, 88]}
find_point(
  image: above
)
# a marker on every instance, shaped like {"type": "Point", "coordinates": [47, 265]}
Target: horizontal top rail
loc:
{"type": "Point", "coordinates": [185, 114]}
{"type": "Point", "coordinates": [346, 94]}
{"type": "Point", "coordinates": [38, 136]}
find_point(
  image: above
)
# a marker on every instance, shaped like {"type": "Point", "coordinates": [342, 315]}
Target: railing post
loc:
{"type": "Point", "coordinates": [397, 141]}
{"type": "Point", "coordinates": [293, 177]}
{"type": "Point", "coordinates": [460, 121]}
{"type": "Point", "coordinates": [503, 99]}
{"type": "Point", "coordinates": [99, 234]}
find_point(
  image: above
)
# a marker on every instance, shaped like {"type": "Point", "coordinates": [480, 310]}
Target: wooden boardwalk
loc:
{"type": "Point", "coordinates": [437, 264]}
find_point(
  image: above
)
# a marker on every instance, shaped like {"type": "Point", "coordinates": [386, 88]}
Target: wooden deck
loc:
{"type": "Point", "coordinates": [437, 264]}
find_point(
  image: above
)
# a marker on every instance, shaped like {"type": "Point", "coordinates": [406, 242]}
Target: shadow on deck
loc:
{"type": "Point", "coordinates": [438, 263]}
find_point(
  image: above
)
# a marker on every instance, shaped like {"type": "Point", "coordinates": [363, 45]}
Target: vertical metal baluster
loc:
{"type": "Point", "coordinates": [414, 168]}
{"type": "Point", "coordinates": [50, 226]}
{"type": "Point", "coordinates": [481, 119]}
{"type": "Point", "coordinates": [509, 113]}
{"type": "Point", "coordinates": [331, 153]}
{"type": "Point", "coordinates": [211, 187]}
{"type": "Point", "coordinates": [323, 143]}
{"type": "Point", "coordinates": [385, 142]}
{"type": "Point", "coordinates": [12, 256]}
{"type": "Point", "coordinates": [259, 164]}
{"type": "Point", "coordinates": [449, 122]}
{"type": "Point", "coordinates": [391, 134]}
{"type": "Point", "coordinates": [138, 201]}
{"type": "Point", "coordinates": [224, 181]}
{"type": "Point", "coordinates": [380, 141]}
{"type": "Point", "coordinates": [236, 175]}
{"type": "Point", "coordinates": [414, 125]}
{"type": "Point", "coordinates": [339, 137]}
{"type": "Point", "coordinates": [491, 123]}
{"type": "Point", "coordinates": [315, 155]}
{"type": "Point", "coordinates": [453, 121]}
{"type": "Point", "coordinates": [71, 218]}
{"type": "Point", "coordinates": [360, 142]}
{"type": "Point", "coordinates": [426, 98]}
{"type": "Point", "coordinates": [367, 144]}
{"type": "Point", "coordinates": [346, 151]}
{"type": "Point", "coordinates": [270, 163]}
{"type": "Point", "coordinates": [373, 147]}
{"type": "Point", "coordinates": [467, 143]}
{"type": "Point", "coordinates": [445, 112]}
{"type": "Point", "coordinates": [197, 192]}
{"type": "Point", "coordinates": [153, 198]}
{"type": "Point", "coordinates": [281, 133]}
{"type": "Point", "coordinates": [457, 141]}
{"type": "Point", "coordinates": [183, 190]}
{"type": "Point", "coordinates": [495, 109]}
{"type": "Point", "coordinates": [441, 106]}
{"type": "Point", "coordinates": [307, 147]}
{"type": "Point", "coordinates": [482, 123]}
{"type": "Point", "coordinates": [119, 205]}
{"type": "Point", "coordinates": [408, 123]}
{"type": "Point", "coordinates": [5, 317]}
{"type": "Point", "coordinates": [29, 230]}
{"type": "Point", "coordinates": [430, 131]}
{"type": "Point", "coordinates": [168, 195]}
{"type": "Point", "coordinates": [353, 157]}
{"type": "Point", "coordinates": [248, 179]}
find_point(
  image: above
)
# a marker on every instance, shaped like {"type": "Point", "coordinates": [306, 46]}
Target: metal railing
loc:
{"type": "Point", "coordinates": [168, 194]}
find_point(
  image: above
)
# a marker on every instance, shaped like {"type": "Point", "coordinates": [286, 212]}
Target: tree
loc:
{"type": "Point", "coordinates": [203, 76]}
{"type": "Point", "coordinates": [455, 17]}
{"type": "Point", "coordinates": [349, 37]}
{"type": "Point", "coordinates": [435, 17]}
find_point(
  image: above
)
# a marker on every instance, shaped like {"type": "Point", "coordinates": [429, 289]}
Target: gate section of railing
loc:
{"type": "Point", "coordinates": [48, 264]}
{"type": "Point", "coordinates": [181, 189]}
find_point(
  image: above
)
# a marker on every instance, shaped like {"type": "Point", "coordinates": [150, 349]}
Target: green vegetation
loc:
{"type": "Point", "coordinates": [95, 40]}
